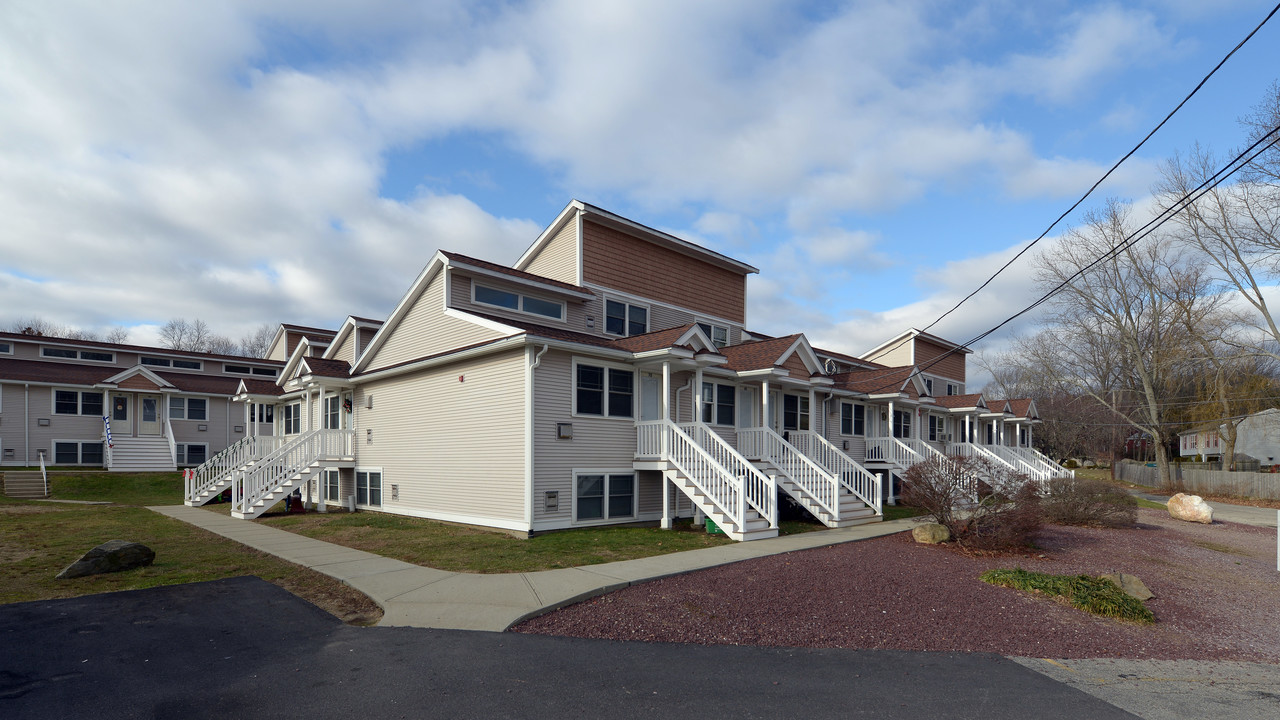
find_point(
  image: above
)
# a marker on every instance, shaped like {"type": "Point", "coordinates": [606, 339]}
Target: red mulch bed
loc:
{"type": "Point", "coordinates": [1217, 597]}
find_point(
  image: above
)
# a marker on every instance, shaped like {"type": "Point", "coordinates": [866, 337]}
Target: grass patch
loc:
{"type": "Point", "coordinates": [465, 549]}
{"type": "Point", "coordinates": [1152, 504]}
{"type": "Point", "coordinates": [1217, 547]}
{"type": "Point", "coordinates": [119, 488]}
{"type": "Point", "coordinates": [901, 512]}
{"type": "Point", "coordinates": [1093, 595]}
{"type": "Point", "coordinates": [38, 540]}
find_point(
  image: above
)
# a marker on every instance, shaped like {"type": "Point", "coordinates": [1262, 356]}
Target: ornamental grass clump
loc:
{"type": "Point", "coordinates": [1093, 595]}
{"type": "Point", "coordinates": [1090, 503]}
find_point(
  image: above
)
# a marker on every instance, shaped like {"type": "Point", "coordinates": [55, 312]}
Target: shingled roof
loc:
{"type": "Point", "coordinates": [959, 401]}
{"type": "Point", "coordinates": [877, 381]}
{"type": "Point", "coordinates": [757, 354]}
{"type": "Point", "coordinates": [328, 368]}
{"type": "Point", "coordinates": [503, 269]}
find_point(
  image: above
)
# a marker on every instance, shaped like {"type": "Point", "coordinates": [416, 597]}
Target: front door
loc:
{"type": "Point", "coordinates": [650, 397]}
{"type": "Point", "coordinates": [120, 414]}
{"type": "Point", "coordinates": [149, 419]}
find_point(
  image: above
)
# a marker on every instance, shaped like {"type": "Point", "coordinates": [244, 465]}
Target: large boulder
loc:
{"type": "Point", "coordinates": [1191, 508]}
{"type": "Point", "coordinates": [1130, 584]}
{"type": "Point", "coordinates": [111, 556]}
{"type": "Point", "coordinates": [930, 533]}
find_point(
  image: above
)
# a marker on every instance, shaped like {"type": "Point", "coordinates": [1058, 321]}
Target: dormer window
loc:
{"type": "Point", "coordinates": [622, 318]}
{"type": "Point", "coordinates": [719, 334]}
{"type": "Point", "coordinates": [508, 300]}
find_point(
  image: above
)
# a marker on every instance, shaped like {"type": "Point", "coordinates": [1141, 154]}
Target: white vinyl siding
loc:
{"type": "Point", "coordinates": [451, 437]}
{"type": "Point", "coordinates": [426, 330]}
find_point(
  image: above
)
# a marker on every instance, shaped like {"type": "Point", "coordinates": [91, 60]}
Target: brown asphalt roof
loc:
{"type": "Point", "coordinates": [656, 340]}
{"type": "Point", "coordinates": [328, 368]}
{"type": "Point", "coordinates": [133, 348]}
{"type": "Point", "coordinates": [757, 354]}
{"type": "Point", "coordinates": [546, 331]}
{"type": "Point", "coordinates": [84, 375]}
{"type": "Point", "coordinates": [366, 320]}
{"type": "Point", "coordinates": [876, 381]}
{"type": "Point", "coordinates": [261, 387]}
{"type": "Point", "coordinates": [959, 401]}
{"type": "Point", "coordinates": [485, 264]}
{"type": "Point", "coordinates": [202, 383]}
{"type": "Point", "coordinates": [848, 358]}
{"type": "Point", "coordinates": [1021, 407]}
{"type": "Point", "coordinates": [309, 330]}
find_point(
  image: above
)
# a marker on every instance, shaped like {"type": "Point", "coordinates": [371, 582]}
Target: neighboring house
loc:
{"type": "Point", "coordinates": [607, 377]}
{"type": "Point", "coordinates": [1257, 436]}
{"type": "Point", "coordinates": [166, 409]}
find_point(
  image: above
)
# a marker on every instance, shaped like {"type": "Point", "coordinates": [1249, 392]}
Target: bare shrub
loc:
{"type": "Point", "coordinates": [984, 507]}
{"type": "Point", "coordinates": [1091, 503]}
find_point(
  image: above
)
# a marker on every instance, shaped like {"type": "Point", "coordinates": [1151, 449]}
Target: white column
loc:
{"type": "Point", "coordinates": [889, 426]}
{"type": "Point", "coordinates": [766, 417]}
{"type": "Point", "coordinates": [813, 410]}
{"type": "Point", "coordinates": [697, 395]}
{"type": "Point", "coordinates": [666, 391]}
{"type": "Point", "coordinates": [966, 429]}
{"type": "Point", "coordinates": [1030, 430]}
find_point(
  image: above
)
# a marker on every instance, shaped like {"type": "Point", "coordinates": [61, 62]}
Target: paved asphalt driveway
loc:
{"type": "Point", "coordinates": [243, 648]}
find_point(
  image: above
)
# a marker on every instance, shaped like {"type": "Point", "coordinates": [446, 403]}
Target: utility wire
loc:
{"type": "Point", "coordinates": [1117, 164]}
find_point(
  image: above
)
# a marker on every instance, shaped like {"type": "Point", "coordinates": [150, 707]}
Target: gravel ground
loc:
{"type": "Point", "coordinates": [1217, 593]}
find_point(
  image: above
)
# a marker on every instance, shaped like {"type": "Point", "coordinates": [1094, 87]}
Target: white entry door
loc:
{"type": "Point", "coordinates": [650, 397]}
{"type": "Point", "coordinates": [149, 417]}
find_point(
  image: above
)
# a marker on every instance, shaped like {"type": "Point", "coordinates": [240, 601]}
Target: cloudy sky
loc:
{"type": "Point", "coordinates": [301, 161]}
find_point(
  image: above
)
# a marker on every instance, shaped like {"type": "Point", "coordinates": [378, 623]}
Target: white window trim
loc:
{"type": "Point", "coordinates": [53, 401]}
{"type": "Point", "coordinates": [635, 496]}
{"type": "Point", "coordinates": [638, 300]}
{"type": "Point", "coordinates": [853, 421]}
{"type": "Point", "coordinates": [169, 363]}
{"type": "Point", "coordinates": [809, 413]}
{"type": "Point", "coordinates": [520, 296]}
{"type": "Point", "coordinates": [251, 373]}
{"type": "Point", "coordinates": [208, 407]}
{"type": "Point", "coordinates": [728, 330]}
{"type": "Point", "coordinates": [43, 348]}
{"type": "Point", "coordinates": [53, 451]}
{"type": "Point", "coordinates": [324, 485]}
{"type": "Point", "coordinates": [573, 389]}
{"type": "Point", "coordinates": [382, 485]}
{"type": "Point", "coordinates": [7, 348]}
{"type": "Point", "coordinates": [715, 404]}
{"type": "Point", "coordinates": [182, 448]}
{"type": "Point", "coordinates": [604, 314]}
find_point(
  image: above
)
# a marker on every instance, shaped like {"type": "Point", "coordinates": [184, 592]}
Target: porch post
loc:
{"type": "Point", "coordinates": [813, 410]}
{"type": "Point", "coordinates": [666, 391]}
{"type": "Point", "coordinates": [966, 428]}
{"type": "Point", "coordinates": [766, 417]}
{"type": "Point", "coordinates": [697, 395]}
{"type": "Point", "coordinates": [1030, 430]}
{"type": "Point", "coordinates": [889, 425]}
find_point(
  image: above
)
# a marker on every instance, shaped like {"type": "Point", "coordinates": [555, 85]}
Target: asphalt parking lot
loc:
{"type": "Point", "coordinates": [245, 648]}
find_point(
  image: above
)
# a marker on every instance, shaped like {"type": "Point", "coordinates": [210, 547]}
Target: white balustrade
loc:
{"type": "Point", "coordinates": [274, 469]}
{"type": "Point", "coordinates": [821, 487]}
{"type": "Point", "coordinates": [855, 478]}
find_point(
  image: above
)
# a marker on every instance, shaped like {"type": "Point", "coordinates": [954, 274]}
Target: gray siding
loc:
{"type": "Point", "coordinates": [460, 298]}
{"type": "Point", "coordinates": [454, 447]}
{"type": "Point", "coordinates": [219, 432]}
{"type": "Point", "coordinates": [558, 259]}
{"type": "Point", "coordinates": [426, 330]}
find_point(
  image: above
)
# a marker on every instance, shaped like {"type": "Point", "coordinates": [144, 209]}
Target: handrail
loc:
{"type": "Point", "coordinates": [822, 487]}
{"type": "Point", "coordinates": [761, 493]}
{"type": "Point", "coordinates": [173, 444]}
{"type": "Point", "coordinates": [972, 450]}
{"type": "Point", "coordinates": [892, 450]}
{"type": "Point", "coordinates": [232, 458]}
{"type": "Point", "coordinates": [44, 474]}
{"type": "Point", "coordinates": [1054, 467]}
{"type": "Point", "coordinates": [268, 473]}
{"type": "Point", "coordinates": [864, 484]}
{"type": "Point", "coordinates": [1008, 455]}
{"type": "Point", "coordinates": [921, 448]}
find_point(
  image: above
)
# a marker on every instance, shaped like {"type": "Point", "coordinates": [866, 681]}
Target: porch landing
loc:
{"type": "Point", "coordinates": [416, 596]}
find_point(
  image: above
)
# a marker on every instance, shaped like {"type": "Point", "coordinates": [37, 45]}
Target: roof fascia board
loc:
{"type": "Point", "coordinates": [527, 282]}
{"type": "Point", "coordinates": [482, 322]}
{"type": "Point", "coordinates": [139, 370]}
{"type": "Point", "coordinates": [570, 211]}
{"type": "Point", "coordinates": [299, 352]}
{"type": "Point", "coordinates": [807, 355]}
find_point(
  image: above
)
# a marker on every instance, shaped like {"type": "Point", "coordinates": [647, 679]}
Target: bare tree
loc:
{"type": "Point", "coordinates": [221, 345]}
{"type": "Point", "coordinates": [195, 336]}
{"type": "Point", "coordinates": [255, 343]}
{"type": "Point", "coordinates": [36, 325]}
{"type": "Point", "coordinates": [118, 335]}
{"type": "Point", "coordinates": [1112, 333]}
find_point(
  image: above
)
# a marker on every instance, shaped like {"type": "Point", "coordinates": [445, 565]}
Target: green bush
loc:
{"type": "Point", "coordinates": [1070, 464]}
{"type": "Point", "coordinates": [1093, 595]}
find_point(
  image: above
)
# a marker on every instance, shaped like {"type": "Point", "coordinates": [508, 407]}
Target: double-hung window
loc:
{"type": "Point", "coordinates": [292, 419]}
{"type": "Point", "coordinates": [719, 334]}
{"type": "Point", "coordinates": [332, 420]}
{"type": "Point", "coordinates": [77, 453]}
{"type": "Point", "coordinates": [192, 453]}
{"type": "Point", "coordinates": [604, 391]}
{"type": "Point", "coordinates": [853, 419]}
{"type": "Point", "coordinates": [795, 412]}
{"type": "Point", "coordinates": [368, 487]}
{"type": "Point", "coordinates": [622, 318]}
{"type": "Point", "coordinates": [74, 402]}
{"type": "Point", "coordinates": [902, 423]}
{"type": "Point", "coordinates": [928, 386]}
{"type": "Point", "coordinates": [718, 403]}
{"type": "Point", "coordinates": [181, 408]}
{"type": "Point", "coordinates": [605, 496]}
{"type": "Point", "coordinates": [937, 427]}
{"type": "Point", "coordinates": [331, 485]}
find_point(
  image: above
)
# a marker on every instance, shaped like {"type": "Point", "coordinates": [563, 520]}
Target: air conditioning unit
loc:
{"type": "Point", "coordinates": [944, 438]}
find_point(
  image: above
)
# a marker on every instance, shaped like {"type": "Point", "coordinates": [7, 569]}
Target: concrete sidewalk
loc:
{"type": "Point", "coordinates": [416, 596]}
{"type": "Point", "coordinates": [1243, 514]}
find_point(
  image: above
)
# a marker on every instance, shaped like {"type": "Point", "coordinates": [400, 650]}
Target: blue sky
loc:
{"type": "Point", "coordinates": [300, 161]}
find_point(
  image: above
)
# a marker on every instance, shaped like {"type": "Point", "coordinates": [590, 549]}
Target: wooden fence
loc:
{"type": "Point", "coordinates": [1214, 482]}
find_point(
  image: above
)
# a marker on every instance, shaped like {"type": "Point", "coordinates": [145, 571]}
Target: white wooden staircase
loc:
{"type": "Point", "coordinates": [145, 453]}
{"type": "Point", "coordinates": [266, 481]}
{"type": "Point", "coordinates": [820, 487]}
{"type": "Point", "coordinates": [717, 478]}
{"type": "Point", "coordinates": [217, 473]}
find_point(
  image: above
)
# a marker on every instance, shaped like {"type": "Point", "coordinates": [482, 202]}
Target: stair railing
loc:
{"type": "Point", "coordinates": [234, 457]}
{"type": "Point", "coordinates": [892, 450]}
{"type": "Point", "coordinates": [864, 484]}
{"type": "Point", "coordinates": [266, 475]}
{"type": "Point", "coordinates": [759, 489]}
{"type": "Point", "coordinates": [821, 486]}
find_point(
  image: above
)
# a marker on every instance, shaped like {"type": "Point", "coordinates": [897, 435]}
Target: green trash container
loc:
{"type": "Point", "coordinates": [713, 528]}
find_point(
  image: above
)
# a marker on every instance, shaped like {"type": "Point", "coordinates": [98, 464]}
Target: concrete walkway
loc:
{"type": "Point", "coordinates": [416, 596]}
{"type": "Point", "coordinates": [1243, 514]}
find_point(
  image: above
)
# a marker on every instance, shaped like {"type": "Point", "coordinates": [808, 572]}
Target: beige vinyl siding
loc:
{"type": "Point", "coordinates": [558, 259]}
{"type": "Point", "coordinates": [895, 355]}
{"type": "Point", "coordinates": [597, 443]}
{"type": "Point", "coordinates": [347, 350]}
{"type": "Point", "coordinates": [857, 443]}
{"type": "Point", "coordinates": [460, 298]}
{"type": "Point", "coordinates": [451, 438]}
{"type": "Point", "coordinates": [426, 330]}
{"type": "Point", "coordinates": [11, 424]}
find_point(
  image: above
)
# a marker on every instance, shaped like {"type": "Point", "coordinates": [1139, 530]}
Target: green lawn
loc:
{"type": "Point", "coordinates": [120, 488]}
{"type": "Point", "coordinates": [1093, 595]}
{"type": "Point", "coordinates": [38, 540]}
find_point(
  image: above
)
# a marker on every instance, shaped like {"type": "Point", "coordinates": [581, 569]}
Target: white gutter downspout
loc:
{"type": "Point", "coordinates": [534, 361]}
{"type": "Point", "coordinates": [687, 386]}
{"type": "Point", "coordinates": [26, 423]}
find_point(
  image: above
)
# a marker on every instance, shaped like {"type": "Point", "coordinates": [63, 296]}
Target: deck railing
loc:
{"type": "Point", "coordinates": [266, 475]}
{"type": "Point", "coordinates": [1020, 464]}
{"type": "Point", "coordinates": [893, 450]}
{"type": "Point", "coordinates": [759, 489]}
{"type": "Point", "coordinates": [855, 478]}
{"type": "Point", "coordinates": [821, 487]}
{"type": "Point", "coordinates": [234, 458]}
{"type": "Point", "coordinates": [1032, 455]}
